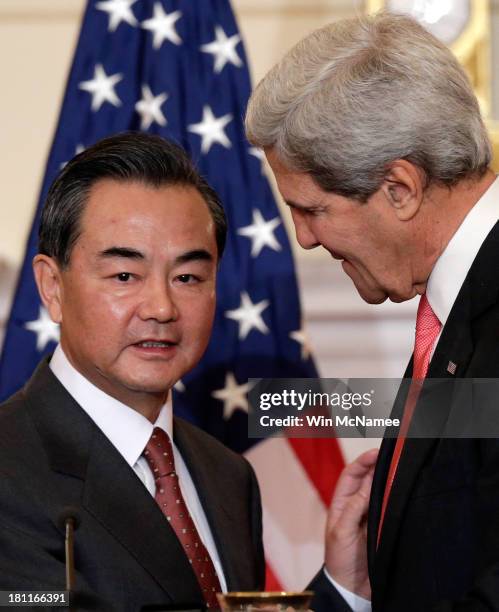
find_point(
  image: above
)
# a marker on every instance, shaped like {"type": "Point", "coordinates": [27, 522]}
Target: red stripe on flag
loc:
{"type": "Point", "coordinates": [271, 582]}
{"type": "Point", "coordinates": [322, 460]}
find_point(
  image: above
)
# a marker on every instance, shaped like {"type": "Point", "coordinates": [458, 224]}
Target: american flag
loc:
{"type": "Point", "coordinates": [178, 68]}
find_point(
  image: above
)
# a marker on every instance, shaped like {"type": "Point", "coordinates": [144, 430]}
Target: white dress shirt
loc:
{"type": "Point", "coordinates": [454, 263]}
{"type": "Point", "coordinates": [444, 283]}
{"type": "Point", "coordinates": [129, 433]}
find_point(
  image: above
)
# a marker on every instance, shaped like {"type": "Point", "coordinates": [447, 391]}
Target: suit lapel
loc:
{"type": "Point", "coordinates": [119, 501]}
{"type": "Point", "coordinates": [112, 493]}
{"type": "Point", "coordinates": [381, 474]}
{"type": "Point", "coordinates": [414, 455]}
{"type": "Point", "coordinates": [217, 498]}
{"type": "Point", "coordinates": [479, 291]}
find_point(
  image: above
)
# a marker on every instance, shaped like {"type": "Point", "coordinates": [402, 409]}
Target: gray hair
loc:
{"type": "Point", "coordinates": [357, 94]}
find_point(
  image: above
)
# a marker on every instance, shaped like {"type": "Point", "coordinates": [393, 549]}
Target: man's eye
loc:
{"type": "Point", "coordinates": [124, 277]}
{"type": "Point", "coordinates": [187, 278]}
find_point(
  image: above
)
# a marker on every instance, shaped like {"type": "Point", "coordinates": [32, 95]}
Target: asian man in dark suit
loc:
{"type": "Point", "coordinates": [130, 239]}
{"type": "Point", "coordinates": [376, 141]}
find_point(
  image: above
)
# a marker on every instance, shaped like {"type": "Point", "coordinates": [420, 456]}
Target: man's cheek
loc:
{"type": "Point", "coordinates": [204, 326]}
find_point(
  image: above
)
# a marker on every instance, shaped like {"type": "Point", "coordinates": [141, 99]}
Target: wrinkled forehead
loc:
{"type": "Point", "coordinates": [295, 186]}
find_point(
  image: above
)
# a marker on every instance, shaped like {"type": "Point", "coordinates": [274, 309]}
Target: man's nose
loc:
{"type": "Point", "coordinates": [158, 302]}
{"type": "Point", "coordinates": [304, 235]}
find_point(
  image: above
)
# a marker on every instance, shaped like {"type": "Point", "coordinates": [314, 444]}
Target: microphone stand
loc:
{"type": "Point", "coordinates": [69, 546]}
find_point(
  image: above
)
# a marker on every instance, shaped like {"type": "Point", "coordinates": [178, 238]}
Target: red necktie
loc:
{"type": "Point", "coordinates": [427, 329]}
{"type": "Point", "coordinates": [159, 455]}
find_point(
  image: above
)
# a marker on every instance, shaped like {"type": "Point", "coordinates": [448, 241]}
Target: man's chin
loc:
{"type": "Point", "coordinates": [368, 294]}
{"type": "Point", "coordinates": [398, 299]}
{"type": "Point", "coordinates": [374, 300]}
{"type": "Point", "coordinates": [378, 297]}
{"type": "Point", "coordinates": [144, 382]}
{"type": "Point", "coordinates": [152, 387]}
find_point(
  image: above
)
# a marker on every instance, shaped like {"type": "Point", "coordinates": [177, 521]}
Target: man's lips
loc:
{"type": "Point", "coordinates": [154, 343]}
{"type": "Point", "coordinates": [336, 256]}
{"type": "Point", "coordinates": [155, 347]}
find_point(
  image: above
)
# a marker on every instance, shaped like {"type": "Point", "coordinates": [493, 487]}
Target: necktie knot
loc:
{"type": "Point", "coordinates": [159, 454]}
{"type": "Point", "coordinates": [426, 319]}
{"type": "Point", "coordinates": [427, 330]}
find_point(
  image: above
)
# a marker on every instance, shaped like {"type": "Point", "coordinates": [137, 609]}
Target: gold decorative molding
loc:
{"type": "Point", "coordinates": [471, 47]}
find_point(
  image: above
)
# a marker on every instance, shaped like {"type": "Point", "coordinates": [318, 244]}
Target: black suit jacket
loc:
{"type": "Point", "coordinates": [439, 549]}
{"type": "Point", "coordinates": [127, 556]}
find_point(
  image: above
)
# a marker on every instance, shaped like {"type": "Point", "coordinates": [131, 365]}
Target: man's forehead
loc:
{"type": "Point", "coordinates": [127, 202]}
{"type": "Point", "coordinates": [109, 189]}
{"type": "Point", "coordinates": [297, 188]}
{"type": "Point", "coordinates": [276, 163]}
{"type": "Point", "coordinates": [141, 216]}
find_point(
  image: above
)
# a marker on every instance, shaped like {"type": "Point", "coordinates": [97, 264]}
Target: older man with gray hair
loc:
{"type": "Point", "coordinates": [376, 141]}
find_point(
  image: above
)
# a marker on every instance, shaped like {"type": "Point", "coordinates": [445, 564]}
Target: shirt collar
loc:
{"type": "Point", "coordinates": [125, 428]}
{"type": "Point", "coordinates": [452, 266]}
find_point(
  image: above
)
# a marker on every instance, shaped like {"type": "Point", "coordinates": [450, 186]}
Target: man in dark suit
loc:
{"type": "Point", "coordinates": [130, 239]}
{"type": "Point", "coordinates": [375, 138]}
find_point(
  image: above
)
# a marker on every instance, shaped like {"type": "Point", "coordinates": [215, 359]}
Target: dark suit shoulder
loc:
{"type": "Point", "coordinates": [9, 409]}
{"type": "Point", "coordinates": [16, 428]}
{"type": "Point", "coordinates": [211, 448]}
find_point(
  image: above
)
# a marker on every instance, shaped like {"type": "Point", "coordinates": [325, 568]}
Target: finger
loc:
{"type": "Point", "coordinates": [365, 488]}
{"type": "Point", "coordinates": [354, 511]}
{"type": "Point", "coordinates": [368, 458]}
{"type": "Point", "coordinates": [351, 476]}
{"type": "Point", "coordinates": [361, 490]}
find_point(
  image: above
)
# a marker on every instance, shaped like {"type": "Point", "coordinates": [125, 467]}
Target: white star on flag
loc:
{"type": "Point", "coordinates": [211, 129]}
{"type": "Point", "coordinates": [101, 87]}
{"type": "Point", "coordinates": [149, 108]}
{"type": "Point", "coordinates": [258, 153]}
{"type": "Point", "coordinates": [163, 26]}
{"type": "Point", "coordinates": [301, 337]}
{"type": "Point", "coordinates": [44, 328]}
{"type": "Point", "coordinates": [261, 233]}
{"type": "Point", "coordinates": [248, 315]}
{"type": "Point", "coordinates": [233, 395]}
{"type": "Point", "coordinates": [223, 49]}
{"type": "Point", "coordinates": [119, 10]}
{"type": "Point", "coordinates": [179, 386]}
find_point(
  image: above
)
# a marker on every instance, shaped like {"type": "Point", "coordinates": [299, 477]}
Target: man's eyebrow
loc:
{"type": "Point", "coordinates": [194, 255]}
{"type": "Point", "coordinates": [292, 204]}
{"type": "Point", "coordinates": [117, 251]}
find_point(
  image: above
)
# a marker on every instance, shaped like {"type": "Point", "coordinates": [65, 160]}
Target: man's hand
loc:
{"type": "Point", "coordinates": [346, 531]}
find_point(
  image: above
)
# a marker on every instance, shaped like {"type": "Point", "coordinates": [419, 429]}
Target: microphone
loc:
{"type": "Point", "coordinates": [69, 521]}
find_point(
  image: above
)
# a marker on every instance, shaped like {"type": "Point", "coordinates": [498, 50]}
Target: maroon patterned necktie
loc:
{"type": "Point", "coordinates": [159, 456]}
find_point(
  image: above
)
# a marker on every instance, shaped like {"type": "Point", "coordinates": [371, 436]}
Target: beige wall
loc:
{"type": "Point", "coordinates": [35, 50]}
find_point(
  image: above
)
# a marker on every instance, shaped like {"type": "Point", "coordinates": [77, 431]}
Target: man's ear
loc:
{"type": "Point", "coordinates": [403, 186]}
{"type": "Point", "coordinates": [48, 280]}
